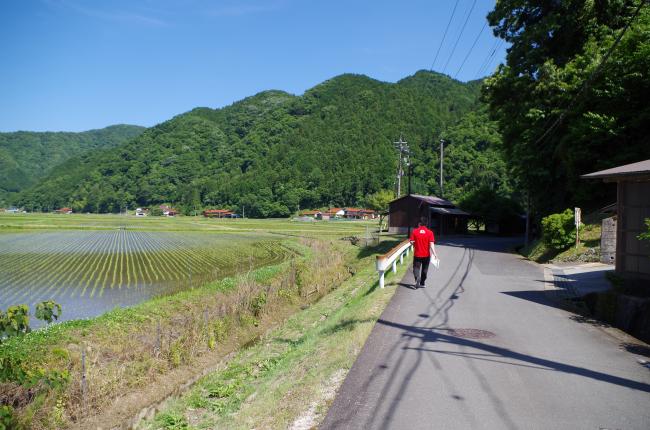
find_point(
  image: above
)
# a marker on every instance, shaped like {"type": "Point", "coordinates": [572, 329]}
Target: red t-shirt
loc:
{"type": "Point", "coordinates": [421, 238]}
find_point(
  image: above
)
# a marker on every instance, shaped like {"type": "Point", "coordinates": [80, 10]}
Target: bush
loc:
{"type": "Point", "coordinates": [646, 235]}
{"type": "Point", "coordinates": [559, 230]}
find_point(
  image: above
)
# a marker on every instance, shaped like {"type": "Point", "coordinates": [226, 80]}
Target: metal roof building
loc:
{"type": "Point", "coordinates": [632, 208]}
{"type": "Point", "coordinates": [442, 216]}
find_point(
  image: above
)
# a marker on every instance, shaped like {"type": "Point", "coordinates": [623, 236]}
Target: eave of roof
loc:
{"type": "Point", "coordinates": [641, 168]}
{"type": "Point", "coordinates": [433, 200]}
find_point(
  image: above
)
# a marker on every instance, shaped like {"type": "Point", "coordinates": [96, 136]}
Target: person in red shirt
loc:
{"type": "Point", "coordinates": [422, 240]}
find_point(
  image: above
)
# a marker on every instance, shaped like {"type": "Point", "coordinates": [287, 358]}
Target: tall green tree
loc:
{"type": "Point", "coordinates": [568, 101]}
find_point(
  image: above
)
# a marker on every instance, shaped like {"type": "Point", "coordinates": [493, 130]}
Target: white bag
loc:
{"type": "Point", "coordinates": [436, 262]}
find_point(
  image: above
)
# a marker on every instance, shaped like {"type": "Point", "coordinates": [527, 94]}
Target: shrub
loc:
{"type": "Point", "coordinates": [646, 235]}
{"type": "Point", "coordinates": [559, 230]}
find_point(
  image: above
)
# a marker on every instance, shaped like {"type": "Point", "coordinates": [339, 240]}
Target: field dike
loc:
{"type": "Point", "coordinates": [288, 379]}
{"type": "Point", "coordinates": [104, 372]}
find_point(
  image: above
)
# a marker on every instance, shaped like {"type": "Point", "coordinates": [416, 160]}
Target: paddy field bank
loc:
{"type": "Point", "coordinates": [156, 308]}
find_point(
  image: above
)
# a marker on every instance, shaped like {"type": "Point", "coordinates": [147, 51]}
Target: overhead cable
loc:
{"type": "Point", "coordinates": [444, 35]}
{"type": "Point", "coordinates": [459, 35]}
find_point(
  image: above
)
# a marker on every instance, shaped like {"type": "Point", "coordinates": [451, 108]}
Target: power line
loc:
{"type": "Point", "coordinates": [459, 36]}
{"type": "Point", "coordinates": [444, 35]}
{"type": "Point", "coordinates": [470, 49]}
{"type": "Point", "coordinates": [592, 76]}
{"type": "Point", "coordinates": [488, 58]}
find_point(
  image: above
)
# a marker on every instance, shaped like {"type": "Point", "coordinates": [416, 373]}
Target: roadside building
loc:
{"type": "Point", "coordinates": [140, 212]}
{"type": "Point", "coordinates": [13, 210]}
{"type": "Point", "coordinates": [632, 258]}
{"type": "Point", "coordinates": [442, 216]}
{"type": "Point", "coordinates": [219, 213]}
{"type": "Point", "coordinates": [64, 211]}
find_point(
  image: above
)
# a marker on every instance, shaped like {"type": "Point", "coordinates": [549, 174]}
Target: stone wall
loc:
{"type": "Point", "coordinates": [608, 241]}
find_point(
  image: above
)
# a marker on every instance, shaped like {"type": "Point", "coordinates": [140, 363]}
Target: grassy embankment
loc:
{"type": "Point", "coordinates": [289, 378]}
{"type": "Point", "coordinates": [135, 357]}
{"type": "Point", "coordinates": [587, 251]}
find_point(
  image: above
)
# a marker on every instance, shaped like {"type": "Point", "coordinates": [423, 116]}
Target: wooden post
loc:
{"type": "Point", "coordinates": [83, 378]}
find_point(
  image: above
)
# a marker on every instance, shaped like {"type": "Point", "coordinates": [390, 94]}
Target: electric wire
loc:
{"type": "Point", "coordinates": [444, 35]}
{"type": "Point", "coordinates": [459, 36]}
{"type": "Point", "coordinates": [490, 57]}
{"type": "Point", "coordinates": [470, 49]}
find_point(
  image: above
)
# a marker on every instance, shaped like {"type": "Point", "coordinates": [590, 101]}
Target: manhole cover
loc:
{"type": "Point", "coordinates": [470, 333]}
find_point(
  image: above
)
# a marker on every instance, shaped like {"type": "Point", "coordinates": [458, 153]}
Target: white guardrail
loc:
{"type": "Point", "coordinates": [388, 260]}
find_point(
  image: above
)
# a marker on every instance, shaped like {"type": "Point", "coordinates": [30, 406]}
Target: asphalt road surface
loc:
{"type": "Point", "coordinates": [482, 347]}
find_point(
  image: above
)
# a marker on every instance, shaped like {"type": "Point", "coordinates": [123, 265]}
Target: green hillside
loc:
{"type": "Point", "coordinates": [275, 153]}
{"type": "Point", "coordinates": [27, 156]}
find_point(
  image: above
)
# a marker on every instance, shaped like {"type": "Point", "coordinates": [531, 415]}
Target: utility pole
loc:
{"type": "Point", "coordinates": [403, 148]}
{"type": "Point", "coordinates": [442, 154]}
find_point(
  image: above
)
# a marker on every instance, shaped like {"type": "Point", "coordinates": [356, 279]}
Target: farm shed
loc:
{"type": "Point", "coordinates": [632, 208]}
{"type": "Point", "coordinates": [443, 217]}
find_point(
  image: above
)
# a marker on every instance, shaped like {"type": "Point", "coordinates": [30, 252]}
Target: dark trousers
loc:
{"type": "Point", "coordinates": [421, 263]}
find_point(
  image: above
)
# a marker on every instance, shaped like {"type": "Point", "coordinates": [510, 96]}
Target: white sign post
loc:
{"type": "Point", "coordinates": [578, 216]}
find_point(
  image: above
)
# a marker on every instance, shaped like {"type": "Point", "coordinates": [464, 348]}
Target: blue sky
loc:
{"type": "Point", "coordinates": [80, 64]}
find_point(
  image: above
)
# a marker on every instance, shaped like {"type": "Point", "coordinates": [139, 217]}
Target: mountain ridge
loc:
{"type": "Point", "coordinates": [272, 152]}
{"type": "Point", "coordinates": [26, 156]}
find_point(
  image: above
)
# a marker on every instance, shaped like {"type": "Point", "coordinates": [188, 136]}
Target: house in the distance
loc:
{"type": "Point", "coordinates": [168, 211]}
{"type": "Point", "coordinates": [12, 210]}
{"type": "Point", "coordinates": [64, 211]}
{"type": "Point", "coordinates": [219, 213]}
{"type": "Point", "coordinates": [140, 212]}
{"type": "Point", "coordinates": [310, 213]}
{"type": "Point", "coordinates": [359, 213]}
{"type": "Point", "coordinates": [336, 212]}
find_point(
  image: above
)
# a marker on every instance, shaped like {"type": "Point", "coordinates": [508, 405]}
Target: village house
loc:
{"type": "Point", "coordinates": [168, 211]}
{"type": "Point", "coordinates": [219, 213]}
{"type": "Point", "coordinates": [336, 212]}
{"type": "Point", "coordinates": [310, 213]}
{"type": "Point", "coordinates": [140, 212]}
{"type": "Point", "coordinates": [359, 213]}
{"type": "Point", "coordinates": [12, 210]}
{"type": "Point", "coordinates": [63, 211]}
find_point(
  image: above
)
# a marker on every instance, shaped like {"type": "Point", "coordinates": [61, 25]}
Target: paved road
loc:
{"type": "Point", "coordinates": [481, 347]}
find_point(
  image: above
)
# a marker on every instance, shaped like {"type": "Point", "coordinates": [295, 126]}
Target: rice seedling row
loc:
{"type": "Point", "coordinates": [82, 266]}
{"type": "Point", "coordinates": [33, 263]}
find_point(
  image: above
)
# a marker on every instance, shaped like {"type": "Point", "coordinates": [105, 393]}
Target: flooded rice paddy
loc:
{"type": "Point", "coordinates": [90, 272]}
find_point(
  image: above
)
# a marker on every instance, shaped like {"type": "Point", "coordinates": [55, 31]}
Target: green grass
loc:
{"type": "Point", "coordinates": [292, 371]}
{"type": "Point", "coordinates": [129, 349]}
{"type": "Point", "coordinates": [587, 251]}
{"type": "Point", "coordinates": [36, 221]}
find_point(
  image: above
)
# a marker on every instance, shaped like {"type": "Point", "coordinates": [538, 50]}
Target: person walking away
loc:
{"type": "Point", "coordinates": [422, 240]}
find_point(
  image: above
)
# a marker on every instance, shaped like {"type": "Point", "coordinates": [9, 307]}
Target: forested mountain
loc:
{"type": "Point", "coordinates": [27, 156]}
{"type": "Point", "coordinates": [275, 153]}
